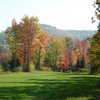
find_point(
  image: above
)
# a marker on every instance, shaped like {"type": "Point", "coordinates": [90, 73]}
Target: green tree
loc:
{"type": "Point", "coordinates": [69, 44]}
{"type": "Point", "coordinates": [95, 44]}
{"type": "Point", "coordinates": [53, 54]}
{"type": "Point", "coordinates": [11, 38]}
{"type": "Point", "coordinates": [37, 58]}
{"type": "Point", "coordinates": [95, 53]}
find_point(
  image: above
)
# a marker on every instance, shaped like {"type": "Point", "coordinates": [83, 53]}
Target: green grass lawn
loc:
{"type": "Point", "coordinates": [49, 86]}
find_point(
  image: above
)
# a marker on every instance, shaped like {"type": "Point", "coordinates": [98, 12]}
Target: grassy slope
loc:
{"type": "Point", "coordinates": [49, 86]}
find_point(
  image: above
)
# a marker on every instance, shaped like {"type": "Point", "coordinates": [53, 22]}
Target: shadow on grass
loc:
{"type": "Point", "coordinates": [52, 89]}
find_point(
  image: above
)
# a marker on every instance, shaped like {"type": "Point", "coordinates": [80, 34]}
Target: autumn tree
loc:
{"type": "Point", "coordinates": [20, 38]}
{"type": "Point", "coordinates": [28, 29]}
{"type": "Point", "coordinates": [69, 45]}
{"type": "Point", "coordinates": [80, 54]}
{"type": "Point", "coordinates": [11, 38]}
{"type": "Point", "coordinates": [64, 60]}
{"type": "Point", "coordinates": [95, 53]}
{"type": "Point", "coordinates": [40, 44]}
{"type": "Point", "coordinates": [53, 53]}
{"type": "Point", "coordinates": [95, 44]}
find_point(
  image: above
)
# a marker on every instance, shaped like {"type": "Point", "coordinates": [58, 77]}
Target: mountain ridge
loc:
{"type": "Point", "coordinates": [52, 30]}
{"type": "Point", "coordinates": [76, 34]}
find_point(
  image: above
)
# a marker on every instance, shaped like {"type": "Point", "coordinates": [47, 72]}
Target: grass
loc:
{"type": "Point", "coordinates": [49, 86]}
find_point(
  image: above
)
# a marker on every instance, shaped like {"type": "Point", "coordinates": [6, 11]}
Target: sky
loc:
{"type": "Point", "coordinates": [64, 14]}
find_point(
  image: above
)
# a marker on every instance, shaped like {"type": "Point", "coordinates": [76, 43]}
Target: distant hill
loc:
{"type": "Point", "coordinates": [2, 37]}
{"type": "Point", "coordinates": [75, 34]}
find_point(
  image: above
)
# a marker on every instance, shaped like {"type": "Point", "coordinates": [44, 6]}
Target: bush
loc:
{"type": "Point", "coordinates": [10, 65]}
{"type": "Point", "coordinates": [46, 68]}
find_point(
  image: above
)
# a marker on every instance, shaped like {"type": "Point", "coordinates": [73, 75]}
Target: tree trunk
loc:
{"type": "Point", "coordinates": [26, 66]}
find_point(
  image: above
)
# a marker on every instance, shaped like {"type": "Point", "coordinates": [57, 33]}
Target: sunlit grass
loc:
{"type": "Point", "coordinates": [49, 86]}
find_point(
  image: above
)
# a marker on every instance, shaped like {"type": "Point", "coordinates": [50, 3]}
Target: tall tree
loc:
{"type": "Point", "coordinates": [11, 37]}
{"type": "Point", "coordinates": [95, 53]}
{"type": "Point", "coordinates": [21, 36]}
{"type": "Point", "coordinates": [40, 44]}
{"type": "Point", "coordinates": [53, 53]}
{"type": "Point", "coordinates": [69, 44]}
{"type": "Point", "coordinates": [28, 29]}
{"type": "Point", "coordinates": [95, 44]}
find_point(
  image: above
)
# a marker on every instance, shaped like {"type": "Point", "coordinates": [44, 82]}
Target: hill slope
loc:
{"type": "Point", "coordinates": [76, 34]}
{"type": "Point", "coordinates": [2, 37]}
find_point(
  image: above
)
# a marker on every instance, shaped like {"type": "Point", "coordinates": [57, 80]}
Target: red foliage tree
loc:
{"type": "Point", "coordinates": [26, 31]}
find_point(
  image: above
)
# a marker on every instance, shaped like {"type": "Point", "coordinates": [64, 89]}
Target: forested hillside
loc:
{"type": "Point", "coordinates": [75, 34]}
{"type": "Point", "coordinates": [2, 37]}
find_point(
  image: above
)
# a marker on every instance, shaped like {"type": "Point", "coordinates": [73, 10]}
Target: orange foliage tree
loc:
{"type": "Point", "coordinates": [23, 34]}
{"type": "Point", "coordinates": [28, 29]}
{"type": "Point", "coordinates": [40, 44]}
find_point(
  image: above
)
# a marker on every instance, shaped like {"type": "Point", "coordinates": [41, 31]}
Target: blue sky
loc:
{"type": "Point", "coordinates": [64, 14]}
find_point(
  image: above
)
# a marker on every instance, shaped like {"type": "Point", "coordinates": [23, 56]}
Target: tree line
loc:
{"type": "Point", "coordinates": [29, 45]}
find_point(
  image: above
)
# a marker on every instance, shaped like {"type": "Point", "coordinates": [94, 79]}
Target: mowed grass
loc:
{"type": "Point", "coordinates": [49, 86]}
